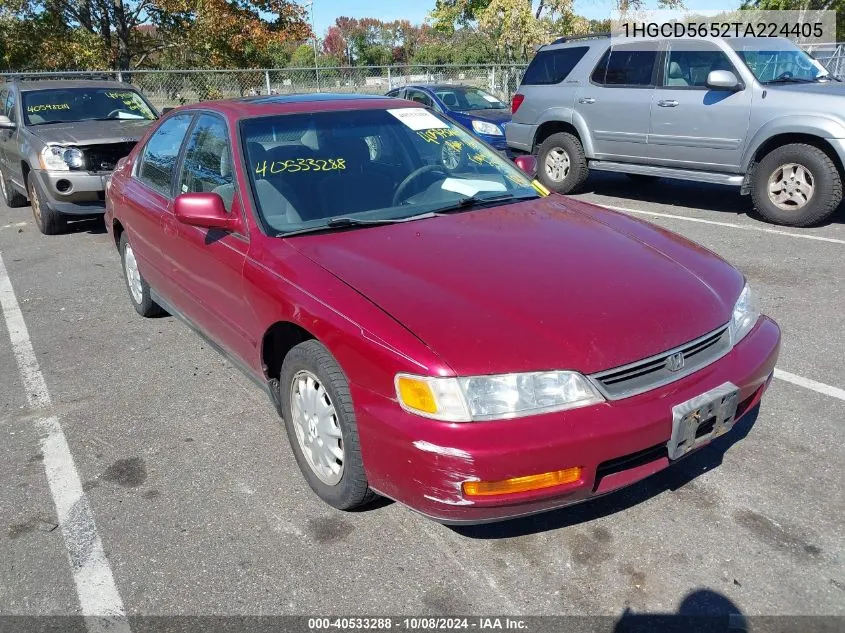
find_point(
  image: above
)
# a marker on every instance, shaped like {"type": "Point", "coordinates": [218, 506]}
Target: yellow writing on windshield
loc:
{"type": "Point", "coordinates": [48, 106]}
{"type": "Point", "coordinates": [121, 95]}
{"type": "Point", "coordinates": [129, 99]}
{"type": "Point", "coordinates": [299, 165]}
{"type": "Point", "coordinates": [436, 135]}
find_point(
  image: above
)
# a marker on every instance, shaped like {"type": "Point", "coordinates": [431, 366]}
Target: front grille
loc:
{"type": "Point", "coordinates": [103, 157]}
{"type": "Point", "coordinates": [653, 372]}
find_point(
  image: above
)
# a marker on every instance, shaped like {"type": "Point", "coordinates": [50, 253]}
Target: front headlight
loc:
{"type": "Point", "coordinates": [58, 158]}
{"type": "Point", "coordinates": [745, 315]}
{"type": "Point", "coordinates": [483, 127]}
{"type": "Point", "coordinates": [497, 397]}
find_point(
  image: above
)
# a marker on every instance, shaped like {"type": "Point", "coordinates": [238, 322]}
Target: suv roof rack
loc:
{"type": "Point", "coordinates": [586, 36]}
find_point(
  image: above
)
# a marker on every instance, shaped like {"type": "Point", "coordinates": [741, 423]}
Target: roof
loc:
{"type": "Point", "coordinates": [441, 87]}
{"type": "Point", "coordinates": [53, 84]}
{"type": "Point", "coordinates": [289, 104]}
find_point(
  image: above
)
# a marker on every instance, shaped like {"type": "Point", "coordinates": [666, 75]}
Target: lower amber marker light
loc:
{"type": "Point", "coordinates": [521, 484]}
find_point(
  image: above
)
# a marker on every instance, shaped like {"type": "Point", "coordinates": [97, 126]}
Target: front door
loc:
{"type": "Point", "coordinates": [615, 104]}
{"type": "Point", "coordinates": [693, 126]}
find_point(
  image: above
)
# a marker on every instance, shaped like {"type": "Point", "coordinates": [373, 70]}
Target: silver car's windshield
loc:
{"type": "Point", "coordinates": [321, 170]}
{"type": "Point", "coordinates": [778, 60]}
{"type": "Point", "coordinates": [67, 105]}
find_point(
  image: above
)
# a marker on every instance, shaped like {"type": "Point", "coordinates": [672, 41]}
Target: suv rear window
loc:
{"type": "Point", "coordinates": [552, 66]}
{"type": "Point", "coordinates": [631, 65]}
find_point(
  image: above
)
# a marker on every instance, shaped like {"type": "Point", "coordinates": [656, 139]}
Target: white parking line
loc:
{"type": "Point", "coordinates": [99, 599]}
{"type": "Point", "coordinates": [732, 225]}
{"type": "Point", "coordinates": [828, 390]}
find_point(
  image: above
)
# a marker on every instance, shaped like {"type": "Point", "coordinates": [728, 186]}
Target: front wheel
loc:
{"type": "Point", "coordinates": [139, 289]}
{"type": "Point", "coordinates": [561, 163]}
{"type": "Point", "coordinates": [796, 185]}
{"type": "Point", "coordinates": [48, 220]}
{"type": "Point", "coordinates": [321, 426]}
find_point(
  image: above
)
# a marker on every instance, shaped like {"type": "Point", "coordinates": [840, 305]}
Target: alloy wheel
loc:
{"type": "Point", "coordinates": [557, 164]}
{"type": "Point", "coordinates": [791, 186]}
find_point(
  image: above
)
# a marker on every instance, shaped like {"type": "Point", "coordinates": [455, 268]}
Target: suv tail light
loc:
{"type": "Point", "coordinates": [516, 102]}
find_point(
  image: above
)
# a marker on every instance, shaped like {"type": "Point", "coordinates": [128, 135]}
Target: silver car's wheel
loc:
{"type": "Point", "coordinates": [317, 429]}
{"type": "Point", "coordinates": [133, 276]}
{"type": "Point", "coordinates": [791, 187]}
{"type": "Point", "coordinates": [557, 164]}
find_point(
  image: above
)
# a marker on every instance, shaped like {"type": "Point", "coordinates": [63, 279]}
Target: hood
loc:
{"type": "Point", "coordinates": [542, 284]}
{"type": "Point", "coordinates": [832, 88]}
{"type": "Point", "coordinates": [91, 132]}
{"type": "Point", "coordinates": [492, 116]}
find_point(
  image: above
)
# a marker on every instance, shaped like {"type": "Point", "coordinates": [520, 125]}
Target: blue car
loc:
{"type": "Point", "coordinates": [478, 111]}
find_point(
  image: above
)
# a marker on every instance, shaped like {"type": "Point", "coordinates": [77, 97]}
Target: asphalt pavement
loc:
{"type": "Point", "coordinates": [200, 508]}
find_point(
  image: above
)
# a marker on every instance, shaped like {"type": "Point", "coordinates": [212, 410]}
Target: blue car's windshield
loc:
{"type": "Point", "coordinates": [778, 60]}
{"type": "Point", "coordinates": [314, 170]}
{"type": "Point", "coordinates": [460, 99]}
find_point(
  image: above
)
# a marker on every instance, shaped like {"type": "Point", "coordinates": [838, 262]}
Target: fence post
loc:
{"type": "Point", "coordinates": [267, 80]}
{"type": "Point", "coordinates": [119, 76]}
{"type": "Point", "coordinates": [492, 80]}
{"type": "Point", "coordinates": [389, 79]}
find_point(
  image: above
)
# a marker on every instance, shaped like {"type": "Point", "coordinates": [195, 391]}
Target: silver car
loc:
{"type": "Point", "coordinates": [756, 113]}
{"type": "Point", "coordinates": [60, 140]}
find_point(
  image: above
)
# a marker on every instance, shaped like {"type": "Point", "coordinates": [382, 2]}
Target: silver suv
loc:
{"type": "Point", "coordinates": [757, 113]}
{"type": "Point", "coordinates": [60, 141]}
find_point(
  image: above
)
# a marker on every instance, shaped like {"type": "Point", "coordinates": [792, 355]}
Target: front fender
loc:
{"type": "Point", "coordinates": [813, 125]}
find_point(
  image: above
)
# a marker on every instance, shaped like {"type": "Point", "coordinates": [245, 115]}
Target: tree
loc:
{"type": "Point", "coordinates": [334, 43]}
{"type": "Point", "coordinates": [803, 5]}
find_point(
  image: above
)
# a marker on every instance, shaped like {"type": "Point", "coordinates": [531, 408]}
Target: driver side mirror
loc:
{"type": "Point", "coordinates": [6, 123]}
{"type": "Point", "coordinates": [205, 210]}
{"type": "Point", "coordinates": [527, 163]}
{"type": "Point", "coordinates": [722, 80]}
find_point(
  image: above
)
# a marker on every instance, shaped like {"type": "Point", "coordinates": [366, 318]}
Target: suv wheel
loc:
{"type": "Point", "coordinates": [10, 196]}
{"type": "Point", "coordinates": [48, 221]}
{"type": "Point", "coordinates": [562, 166]}
{"type": "Point", "coordinates": [796, 185]}
{"type": "Point", "coordinates": [321, 426]}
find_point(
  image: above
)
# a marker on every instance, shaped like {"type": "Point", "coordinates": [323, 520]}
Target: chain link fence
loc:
{"type": "Point", "coordinates": [168, 88]}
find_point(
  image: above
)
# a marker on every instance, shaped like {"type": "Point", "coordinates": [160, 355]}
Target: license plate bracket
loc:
{"type": "Point", "coordinates": [702, 419]}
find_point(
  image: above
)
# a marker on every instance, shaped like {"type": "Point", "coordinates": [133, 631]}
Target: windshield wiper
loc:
{"type": "Point", "coordinates": [345, 223]}
{"type": "Point", "coordinates": [789, 80]}
{"type": "Point", "coordinates": [479, 200]}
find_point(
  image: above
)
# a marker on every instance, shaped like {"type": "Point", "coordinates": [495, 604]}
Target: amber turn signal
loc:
{"type": "Point", "coordinates": [521, 484]}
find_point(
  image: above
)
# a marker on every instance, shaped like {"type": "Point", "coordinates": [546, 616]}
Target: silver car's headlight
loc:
{"type": "Point", "coordinates": [58, 158]}
{"type": "Point", "coordinates": [498, 397]}
{"type": "Point", "coordinates": [483, 127]}
{"type": "Point", "coordinates": [745, 315]}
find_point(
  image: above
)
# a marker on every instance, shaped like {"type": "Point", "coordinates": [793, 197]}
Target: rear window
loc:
{"type": "Point", "coordinates": [552, 66]}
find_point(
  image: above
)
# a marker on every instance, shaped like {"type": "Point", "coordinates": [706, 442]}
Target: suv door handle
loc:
{"type": "Point", "coordinates": [667, 103]}
{"type": "Point", "coordinates": [586, 100]}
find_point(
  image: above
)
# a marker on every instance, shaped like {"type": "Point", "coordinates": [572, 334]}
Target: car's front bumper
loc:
{"type": "Point", "coordinates": [422, 463]}
{"type": "Point", "coordinates": [73, 192]}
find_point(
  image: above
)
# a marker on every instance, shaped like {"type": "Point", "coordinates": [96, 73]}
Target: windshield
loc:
{"type": "Point", "coordinates": [778, 60]}
{"type": "Point", "coordinates": [307, 170]}
{"type": "Point", "coordinates": [465, 99]}
{"type": "Point", "coordinates": [84, 104]}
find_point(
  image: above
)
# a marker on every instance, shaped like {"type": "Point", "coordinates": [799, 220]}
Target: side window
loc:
{"type": "Point", "coordinates": [689, 62]}
{"type": "Point", "coordinates": [420, 97]}
{"type": "Point", "coordinates": [4, 95]}
{"type": "Point", "coordinates": [208, 160]}
{"type": "Point", "coordinates": [11, 109]}
{"type": "Point", "coordinates": [627, 65]}
{"type": "Point", "coordinates": [160, 154]}
{"type": "Point", "coordinates": [552, 67]}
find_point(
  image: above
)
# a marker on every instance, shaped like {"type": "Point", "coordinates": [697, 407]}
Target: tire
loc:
{"type": "Point", "coordinates": [11, 197]}
{"type": "Point", "coordinates": [800, 172]}
{"type": "Point", "coordinates": [143, 302]}
{"type": "Point", "coordinates": [567, 148]}
{"type": "Point", "coordinates": [49, 221]}
{"type": "Point", "coordinates": [310, 367]}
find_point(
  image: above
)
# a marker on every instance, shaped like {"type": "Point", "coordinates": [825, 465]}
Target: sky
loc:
{"type": "Point", "coordinates": [326, 11]}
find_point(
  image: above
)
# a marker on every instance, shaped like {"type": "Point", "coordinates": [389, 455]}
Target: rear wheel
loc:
{"type": "Point", "coordinates": [561, 163]}
{"type": "Point", "coordinates": [321, 426]}
{"type": "Point", "coordinates": [10, 195]}
{"type": "Point", "coordinates": [139, 289]}
{"type": "Point", "coordinates": [796, 185]}
{"type": "Point", "coordinates": [49, 221]}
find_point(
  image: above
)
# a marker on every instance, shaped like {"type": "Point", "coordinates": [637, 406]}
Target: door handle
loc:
{"type": "Point", "coordinates": [587, 100]}
{"type": "Point", "coordinates": [667, 103]}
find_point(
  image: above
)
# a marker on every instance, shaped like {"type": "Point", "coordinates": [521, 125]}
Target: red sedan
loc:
{"type": "Point", "coordinates": [431, 325]}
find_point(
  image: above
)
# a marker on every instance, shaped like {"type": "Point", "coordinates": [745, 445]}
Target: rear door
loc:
{"type": "Point", "coordinates": [147, 200]}
{"type": "Point", "coordinates": [208, 263]}
{"type": "Point", "coordinates": [691, 125]}
{"type": "Point", "coordinates": [616, 102]}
